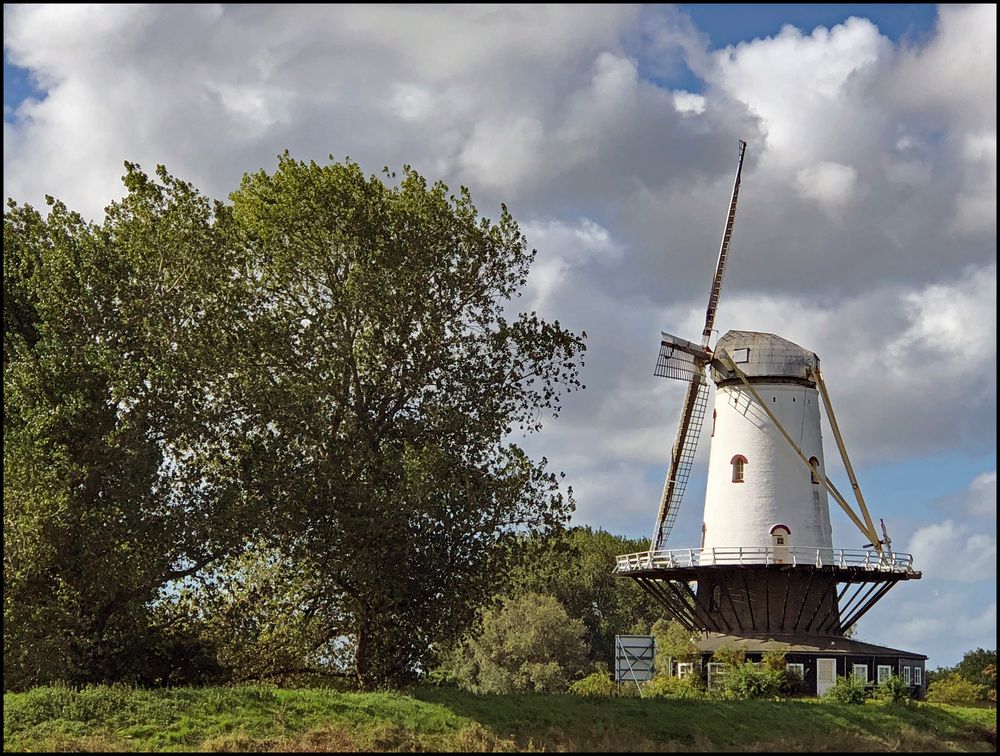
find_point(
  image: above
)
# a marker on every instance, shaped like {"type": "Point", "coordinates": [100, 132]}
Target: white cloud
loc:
{"type": "Point", "coordinates": [954, 552]}
{"type": "Point", "coordinates": [978, 500]}
{"type": "Point", "coordinates": [687, 102]}
{"type": "Point", "coordinates": [982, 496]}
{"type": "Point", "coordinates": [831, 185]}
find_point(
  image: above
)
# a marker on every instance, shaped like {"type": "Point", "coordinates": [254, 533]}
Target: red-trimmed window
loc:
{"type": "Point", "coordinates": [813, 468]}
{"type": "Point", "coordinates": [739, 463]}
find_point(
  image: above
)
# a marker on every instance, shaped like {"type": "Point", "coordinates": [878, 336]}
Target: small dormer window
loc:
{"type": "Point", "coordinates": [814, 471]}
{"type": "Point", "coordinates": [741, 355]}
{"type": "Point", "coordinates": [739, 463]}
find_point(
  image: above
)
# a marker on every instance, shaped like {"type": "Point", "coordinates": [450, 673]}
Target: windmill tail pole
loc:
{"type": "Point", "coordinates": [720, 266]}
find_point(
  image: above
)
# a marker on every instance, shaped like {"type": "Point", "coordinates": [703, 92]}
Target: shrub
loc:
{"type": "Point", "coordinates": [792, 683]}
{"type": "Point", "coordinates": [848, 690]}
{"type": "Point", "coordinates": [665, 686]}
{"type": "Point", "coordinates": [594, 685]}
{"type": "Point", "coordinates": [528, 643]}
{"type": "Point", "coordinates": [745, 682]}
{"type": "Point", "coordinates": [893, 690]}
{"type": "Point", "coordinates": [954, 689]}
{"type": "Point", "coordinates": [729, 655]}
{"type": "Point", "coordinates": [774, 660]}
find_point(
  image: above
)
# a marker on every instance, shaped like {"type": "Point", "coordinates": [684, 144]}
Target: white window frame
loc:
{"type": "Point", "coordinates": [854, 672]}
{"type": "Point", "coordinates": [884, 673]}
{"type": "Point", "coordinates": [918, 676]}
{"type": "Point", "coordinates": [800, 668]}
{"type": "Point", "coordinates": [906, 675]}
{"type": "Point", "coordinates": [684, 669]}
{"type": "Point", "coordinates": [741, 355]}
{"type": "Point", "coordinates": [715, 670]}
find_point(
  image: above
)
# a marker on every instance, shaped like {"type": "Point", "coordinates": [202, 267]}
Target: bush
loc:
{"type": "Point", "coordinates": [893, 690]}
{"type": "Point", "coordinates": [792, 683]}
{"type": "Point", "coordinates": [729, 655]}
{"type": "Point", "coordinates": [847, 690]}
{"type": "Point", "coordinates": [955, 689]}
{"type": "Point", "coordinates": [665, 686]}
{"type": "Point", "coordinates": [774, 660]}
{"type": "Point", "coordinates": [528, 643]}
{"type": "Point", "coordinates": [594, 685]}
{"type": "Point", "coordinates": [746, 682]}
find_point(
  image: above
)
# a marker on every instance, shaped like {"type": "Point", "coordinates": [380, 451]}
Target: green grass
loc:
{"type": "Point", "coordinates": [105, 718]}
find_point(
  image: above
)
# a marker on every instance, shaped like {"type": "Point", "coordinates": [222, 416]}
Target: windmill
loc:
{"type": "Point", "coordinates": [766, 565]}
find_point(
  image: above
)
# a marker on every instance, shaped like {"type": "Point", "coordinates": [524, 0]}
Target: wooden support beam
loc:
{"type": "Point", "coordinates": [847, 462]}
{"type": "Point", "coordinates": [784, 605]}
{"type": "Point", "coordinates": [802, 606]}
{"type": "Point", "coordinates": [845, 626]}
{"type": "Point", "coordinates": [746, 587]}
{"type": "Point", "coordinates": [736, 614]}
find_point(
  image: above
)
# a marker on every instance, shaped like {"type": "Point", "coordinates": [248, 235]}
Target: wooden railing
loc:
{"type": "Point", "coordinates": [740, 555]}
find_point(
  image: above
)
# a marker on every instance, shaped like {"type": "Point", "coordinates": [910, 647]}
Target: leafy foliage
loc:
{"type": "Point", "coordinates": [894, 690]}
{"type": "Point", "coordinates": [595, 685]}
{"type": "Point", "coordinates": [673, 644]}
{"type": "Point", "coordinates": [975, 664]}
{"type": "Point", "coordinates": [576, 566]}
{"type": "Point", "coordinates": [667, 686]}
{"type": "Point", "coordinates": [529, 643]}
{"type": "Point", "coordinates": [729, 655]}
{"type": "Point", "coordinates": [774, 660]}
{"type": "Point", "coordinates": [953, 688]}
{"type": "Point", "coordinates": [847, 690]}
{"type": "Point", "coordinates": [121, 464]}
{"type": "Point", "coordinates": [265, 616]}
{"type": "Point", "coordinates": [748, 681]}
{"type": "Point", "coordinates": [392, 376]}
{"type": "Point", "coordinates": [324, 366]}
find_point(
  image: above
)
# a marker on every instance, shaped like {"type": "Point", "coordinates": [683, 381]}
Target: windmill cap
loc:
{"type": "Point", "coordinates": [764, 355]}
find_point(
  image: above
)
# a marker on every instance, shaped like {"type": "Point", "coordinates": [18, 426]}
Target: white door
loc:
{"type": "Point", "coordinates": [826, 675]}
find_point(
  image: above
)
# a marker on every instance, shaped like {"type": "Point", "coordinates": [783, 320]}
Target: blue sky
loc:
{"type": "Point", "coordinates": [866, 229]}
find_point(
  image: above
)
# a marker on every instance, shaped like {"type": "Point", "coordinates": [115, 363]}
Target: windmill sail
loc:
{"type": "Point", "coordinates": [682, 456]}
{"type": "Point", "coordinates": [686, 361]}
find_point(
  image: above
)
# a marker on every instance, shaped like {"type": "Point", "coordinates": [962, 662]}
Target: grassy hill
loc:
{"type": "Point", "coordinates": [260, 718]}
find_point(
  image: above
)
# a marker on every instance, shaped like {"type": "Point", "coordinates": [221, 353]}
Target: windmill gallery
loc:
{"type": "Point", "coordinates": [766, 574]}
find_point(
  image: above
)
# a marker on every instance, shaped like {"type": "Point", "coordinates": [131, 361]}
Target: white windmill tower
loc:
{"type": "Point", "coordinates": [766, 562]}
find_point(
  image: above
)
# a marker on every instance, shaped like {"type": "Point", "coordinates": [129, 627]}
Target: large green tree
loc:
{"type": "Point", "coordinates": [390, 379]}
{"type": "Point", "coordinates": [120, 469]}
{"type": "Point", "coordinates": [325, 366]}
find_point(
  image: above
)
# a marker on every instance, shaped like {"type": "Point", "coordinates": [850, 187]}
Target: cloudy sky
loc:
{"type": "Point", "coordinates": [866, 228]}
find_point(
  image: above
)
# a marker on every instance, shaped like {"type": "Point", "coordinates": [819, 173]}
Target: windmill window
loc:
{"type": "Point", "coordinates": [738, 462]}
{"type": "Point", "coordinates": [716, 601]}
{"type": "Point", "coordinates": [741, 355]}
{"type": "Point", "coordinates": [813, 467]}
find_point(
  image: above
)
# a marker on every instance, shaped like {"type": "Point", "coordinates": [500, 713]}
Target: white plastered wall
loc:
{"type": "Point", "coordinates": [777, 487]}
